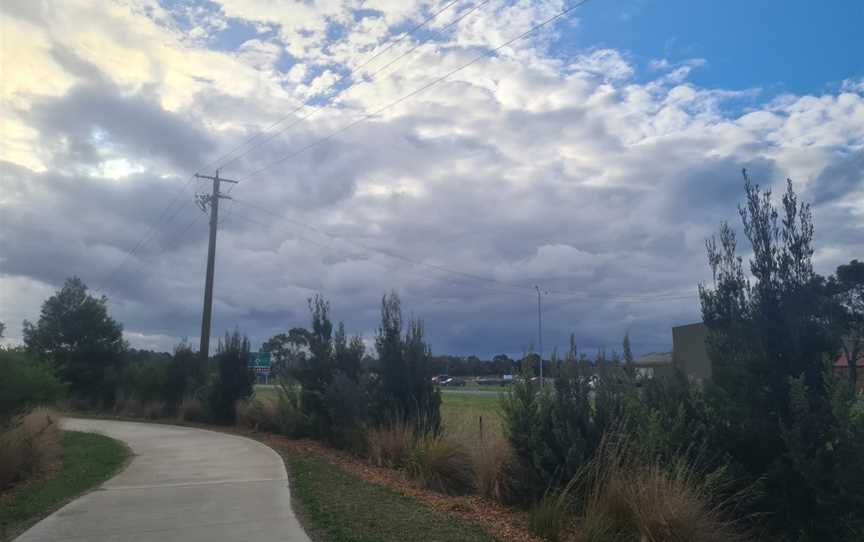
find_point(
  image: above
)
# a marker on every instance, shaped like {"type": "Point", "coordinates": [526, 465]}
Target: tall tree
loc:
{"type": "Point", "coordinates": [185, 374]}
{"type": "Point", "coordinates": [235, 378]}
{"type": "Point", "coordinates": [768, 341]}
{"type": "Point", "coordinates": [629, 361]}
{"type": "Point", "coordinates": [847, 291]}
{"type": "Point", "coordinates": [405, 389]}
{"type": "Point", "coordinates": [76, 334]}
{"type": "Point", "coordinates": [327, 367]}
{"type": "Point", "coordinates": [765, 332]}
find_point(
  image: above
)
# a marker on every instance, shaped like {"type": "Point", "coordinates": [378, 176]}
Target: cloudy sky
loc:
{"type": "Point", "coordinates": [591, 157]}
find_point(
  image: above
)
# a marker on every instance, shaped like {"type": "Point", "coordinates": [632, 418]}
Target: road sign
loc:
{"type": "Point", "coordinates": [260, 363]}
{"type": "Point", "coordinates": [259, 360]}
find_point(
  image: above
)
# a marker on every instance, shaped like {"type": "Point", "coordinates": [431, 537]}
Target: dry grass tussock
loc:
{"type": "Point", "coordinates": [552, 518]}
{"type": "Point", "coordinates": [489, 451]}
{"type": "Point", "coordinates": [442, 464]}
{"type": "Point", "coordinates": [627, 498]}
{"type": "Point", "coordinates": [490, 454]}
{"type": "Point", "coordinates": [192, 410]}
{"type": "Point", "coordinates": [131, 407]}
{"type": "Point", "coordinates": [389, 445]}
{"type": "Point", "coordinates": [438, 462]}
{"type": "Point", "coordinates": [276, 413]}
{"type": "Point", "coordinates": [28, 445]}
{"type": "Point", "coordinates": [258, 413]}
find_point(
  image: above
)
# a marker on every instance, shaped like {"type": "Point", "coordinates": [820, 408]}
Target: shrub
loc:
{"type": "Point", "coordinates": [184, 375]}
{"type": "Point", "coordinates": [139, 384]}
{"type": "Point", "coordinates": [25, 384]}
{"type": "Point", "coordinates": [347, 406]}
{"type": "Point", "coordinates": [153, 410]}
{"type": "Point", "coordinates": [551, 517]}
{"type": "Point", "coordinates": [440, 464]}
{"type": "Point", "coordinates": [290, 417]}
{"type": "Point", "coordinates": [673, 418]}
{"type": "Point", "coordinates": [389, 445]}
{"type": "Point", "coordinates": [131, 407]}
{"type": "Point", "coordinates": [281, 414]}
{"type": "Point", "coordinates": [404, 387]}
{"type": "Point", "coordinates": [822, 469]}
{"type": "Point", "coordinates": [28, 445]}
{"type": "Point", "coordinates": [324, 367]}
{"type": "Point", "coordinates": [234, 380]}
{"type": "Point", "coordinates": [258, 413]}
{"type": "Point", "coordinates": [626, 497]}
{"type": "Point", "coordinates": [554, 431]}
{"type": "Point", "coordinates": [246, 413]}
{"type": "Point", "coordinates": [192, 410]}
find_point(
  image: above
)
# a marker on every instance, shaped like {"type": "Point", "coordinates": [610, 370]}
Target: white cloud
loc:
{"type": "Point", "coordinates": [526, 167]}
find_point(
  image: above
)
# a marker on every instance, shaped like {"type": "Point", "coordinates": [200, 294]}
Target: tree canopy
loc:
{"type": "Point", "coordinates": [76, 335]}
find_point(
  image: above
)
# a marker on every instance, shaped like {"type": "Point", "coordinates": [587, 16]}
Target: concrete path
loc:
{"type": "Point", "coordinates": [183, 484]}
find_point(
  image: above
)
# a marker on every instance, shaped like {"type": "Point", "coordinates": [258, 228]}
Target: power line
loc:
{"type": "Point", "coordinates": [390, 254]}
{"type": "Point", "coordinates": [573, 297]}
{"type": "Point", "coordinates": [341, 78]}
{"type": "Point", "coordinates": [151, 233]}
{"type": "Point", "coordinates": [152, 229]}
{"type": "Point", "coordinates": [408, 33]}
{"type": "Point", "coordinates": [164, 247]}
{"type": "Point", "coordinates": [452, 23]}
{"type": "Point", "coordinates": [417, 91]}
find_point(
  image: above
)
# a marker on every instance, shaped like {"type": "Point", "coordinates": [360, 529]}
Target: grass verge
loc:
{"type": "Point", "coordinates": [88, 460]}
{"type": "Point", "coordinates": [338, 506]}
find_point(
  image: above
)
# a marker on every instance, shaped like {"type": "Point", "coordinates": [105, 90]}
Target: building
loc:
{"type": "Point", "coordinates": [841, 370]}
{"type": "Point", "coordinates": [690, 355]}
{"type": "Point", "coordinates": [655, 364]}
{"type": "Point", "coordinates": [690, 350]}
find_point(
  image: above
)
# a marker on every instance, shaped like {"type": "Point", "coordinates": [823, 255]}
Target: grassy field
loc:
{"type": "Point", "coordinates": [464, 403]}
{"type": "Point", "coordinates": [88, 460]}
{"type": "Point", "coordinates": [337, 506]}
{"type": "Point", "coordinates": [460, 410]}
{"type": "Point", "coordinates": [467, 412]}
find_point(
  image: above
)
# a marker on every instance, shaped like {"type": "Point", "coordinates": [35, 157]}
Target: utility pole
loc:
{"type": "Point", "coordinates": [213, 201]}
{"type": "Point", "coordinates": [540, 332]}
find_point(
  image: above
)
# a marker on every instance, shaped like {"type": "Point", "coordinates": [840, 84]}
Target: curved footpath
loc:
{"type": "Point", "coordinates": [182, 484]}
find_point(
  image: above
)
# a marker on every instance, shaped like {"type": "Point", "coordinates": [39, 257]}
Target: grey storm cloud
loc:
{"type": "Point", "coordinates": [95, 115]}
{"type": "Point", "coordinates": [844, 176]}
{"type": "Point", "coordinates": [599, 189]}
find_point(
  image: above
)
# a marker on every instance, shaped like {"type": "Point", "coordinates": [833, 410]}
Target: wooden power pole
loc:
{"type": "Point", "coordinates": [213, 201]}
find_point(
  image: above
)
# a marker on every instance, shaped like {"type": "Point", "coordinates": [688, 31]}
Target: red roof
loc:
{"type": "Point", "coordinates": [843, 362]}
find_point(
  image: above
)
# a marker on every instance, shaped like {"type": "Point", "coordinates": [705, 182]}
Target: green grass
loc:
{"type": "Point", "coordinates": [459, 410]}
{"type": "Point", "coordinates": [88, 460]}
{"type": "Point", "coordinates": [266, 391]}
{"type": "Point", "coordinates": [337, 506]}
{"type": "Point", "coordinates": [477, 387]}
{"type": "Point", "coordinates": [485, 404]}
{"type": "Point", "coordinates": [462, 412]}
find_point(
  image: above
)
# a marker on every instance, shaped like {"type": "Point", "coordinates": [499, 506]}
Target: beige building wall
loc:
{"type": "Point", "coordinates": [690, 352]}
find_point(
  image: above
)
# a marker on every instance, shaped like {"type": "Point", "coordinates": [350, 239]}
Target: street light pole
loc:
{"type": "Point", "coordinates": [540, 332]}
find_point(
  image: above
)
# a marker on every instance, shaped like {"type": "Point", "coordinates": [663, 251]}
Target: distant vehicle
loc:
{"type": "Point", "coordinates": [452, 382]}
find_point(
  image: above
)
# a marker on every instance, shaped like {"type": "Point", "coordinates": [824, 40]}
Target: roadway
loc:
{"type": "Point", "coordinates": [182, 484]}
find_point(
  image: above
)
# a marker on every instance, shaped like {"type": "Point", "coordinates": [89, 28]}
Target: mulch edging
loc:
{"type": "Point", "coordinates": [501, 522]}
